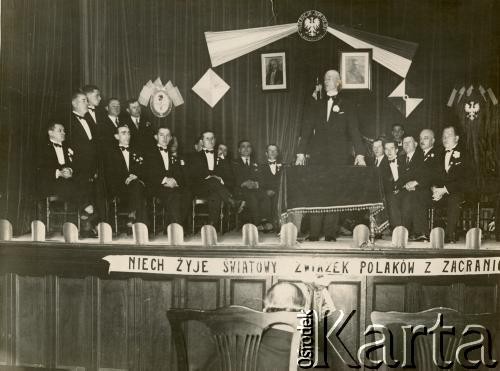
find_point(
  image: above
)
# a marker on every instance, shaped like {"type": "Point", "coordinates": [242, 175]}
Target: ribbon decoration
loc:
{"type": "Point", "coordinates": [394, 54]}
{"type": "Point", "coordinates": [224, 46]}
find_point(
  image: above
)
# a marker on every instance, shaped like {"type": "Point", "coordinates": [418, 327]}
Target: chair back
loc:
{"type": "Point", "coordinates": [400, 237]}
{"type": "Point", "coordinates": [208, 235]}
{"type": "Point", "coordinates": [5, 230]}
{"type": "Point", "coordinates": [237, 333]}
{"type": "Point", "coordinates": [423, 346]}
{"type": "Point", "coordinates": [37, 231]}
{"type": "Point", "coordinates": [70, 232]}
{"type": "Point", "coordinates": [175, 234]}
{"type": "Point", "coordinates": [105, 233]}
{"type": "Point", "coordinates": [437, 238]}
{"type": "Point", "coordinates": [250, 235]}
{"type": "Point", "coordinates": [140, 233]}
{"type": "Point", "coordinates": [288, 234]}
{"type": "Point", "coordinates": [473, 239]}
{"type": "Point", "coordinates": [360, 236]}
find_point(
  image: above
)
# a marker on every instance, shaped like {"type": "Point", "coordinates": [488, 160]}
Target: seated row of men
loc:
{"type": "Point", "coordinates": [92, 168]}
{"type": "Point", "coordinates": [422, 177]}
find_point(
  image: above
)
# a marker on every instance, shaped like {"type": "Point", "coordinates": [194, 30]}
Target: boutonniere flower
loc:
{"type": "Point", "coordinates": [137, 158]}
{"type": "Point", "coordinates": [148, 124]}
{"type": "Point", "coordinates": [456, 154]}
{"type": "Point", "coordinates": [432, 154]}
{"type": "Point", "coordinates": [336, 108]}
{"type": "Point", "coordinates": [70, 152]}
{"type": "Point", "coordinates": [182, 162]}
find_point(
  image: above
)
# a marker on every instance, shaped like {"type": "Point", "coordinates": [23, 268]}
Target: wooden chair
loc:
{"type": "Point", "coordinates": [423, 347]}
{"type": "Point", "coordinates": [50, 212]}
{"type": "Point", "coordinates": [196, 213]}
{"type": "Point", "coordinates": [237, 332]}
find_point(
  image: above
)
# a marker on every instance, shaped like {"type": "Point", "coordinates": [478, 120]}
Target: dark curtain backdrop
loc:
{"type": "Point", "coordinates": [126, 43]}
{"type": "Point", "coordinates": [39, 67]}
{"type": "Point", "coordinates": [50, 47]}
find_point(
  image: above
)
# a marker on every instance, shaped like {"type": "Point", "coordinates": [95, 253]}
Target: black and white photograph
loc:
{"type": "Point", "coordinates": [273, 71]}
{"type": "Point", "coordinates": [355, 68]}
{"type": "Point", "coordinates": [234, 185]}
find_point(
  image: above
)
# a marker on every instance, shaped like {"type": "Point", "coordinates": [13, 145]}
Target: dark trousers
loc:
{"type": "Point", "coordinates": [329, 222]}
{"type": "Point", "coordinates": [414, 212]}
{"type": "Point", "coordinates": [394, 209]}
{"type": "Point", "coordinates": [132, 196]}
{"type": "Point", "coordinates": [497, 219]}
{"type": "Point", "coordinates": [216, 193]}
{"type": "Point", "coordinates": [258, 204]}
{"type": "Point", "coordinates": [176, 204]}
{"type": "Point", "coordinates": [451, 203]}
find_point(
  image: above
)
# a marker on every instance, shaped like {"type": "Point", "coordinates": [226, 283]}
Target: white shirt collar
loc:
{"type": "Point", "coordinates": [53, 141]}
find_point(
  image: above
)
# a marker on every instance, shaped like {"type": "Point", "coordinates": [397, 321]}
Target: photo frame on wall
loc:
{"type": "Point", "coordinates": [355, 69]}
{"type": "Point", "coordinates": [274, 71]}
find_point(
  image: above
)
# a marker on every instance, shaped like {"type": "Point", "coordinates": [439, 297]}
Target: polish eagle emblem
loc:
{"type": "Point", "coordinates": [472, 110]}
{"type": "Point", "coordinates": [312, 25]}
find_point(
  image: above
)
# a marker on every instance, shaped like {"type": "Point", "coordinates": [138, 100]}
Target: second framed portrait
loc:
{"type": "Point", "coordinates": [273, 67]}
{"type": "Point", "coordinates": [355, 69]}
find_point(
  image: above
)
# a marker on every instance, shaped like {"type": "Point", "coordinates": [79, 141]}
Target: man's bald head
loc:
{"type": "Point", "coordinates": [332, 80]}
{"type": "Point", "coordinates": [426, 139]}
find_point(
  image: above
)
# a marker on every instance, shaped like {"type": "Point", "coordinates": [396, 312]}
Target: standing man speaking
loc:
{"type": "Point", "coordinates": [329, 136]}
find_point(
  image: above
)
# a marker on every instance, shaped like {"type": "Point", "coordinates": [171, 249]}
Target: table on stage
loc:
{"type": "Point", "coordinates": [319, 189]}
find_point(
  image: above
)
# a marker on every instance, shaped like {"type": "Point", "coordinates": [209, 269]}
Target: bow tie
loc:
{"type": "Point", "coordinates": [272, 162]}
{"type": "Point", "coordinates": [163, 149]}
{"type": "Point", "coordinates": [91, 108]}
{"type": "Point", "coordinates": [449, 150]}
{"type": "Point", "coordinates": [392, 161]}
{"type": "Point", "coordinates": [56, 145]}
{"type": "Point", "coordinates": [80, 117]}
{"type": "Point", "coordinates": [209, 150]}
{"type": "Point", "coordinates": [124, 148]}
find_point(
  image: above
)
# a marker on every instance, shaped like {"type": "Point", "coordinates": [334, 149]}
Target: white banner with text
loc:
{"type": "Point", "coordinates": [302, 266]}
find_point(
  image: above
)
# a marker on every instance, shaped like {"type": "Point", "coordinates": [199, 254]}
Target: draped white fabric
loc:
{"type": "Point", "coordinates": [224, 46]}
{"type": "Point", "coordinates": [394, 62]}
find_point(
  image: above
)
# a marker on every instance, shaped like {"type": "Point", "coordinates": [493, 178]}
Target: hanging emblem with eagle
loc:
{"type": "Point", "coordinates": [472, 110]}
{"type": "Point", "coordinates": [312, 25]}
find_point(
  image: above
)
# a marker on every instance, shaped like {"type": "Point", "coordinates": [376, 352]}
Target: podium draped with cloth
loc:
{"type": "Point", "coordinates": [325, 189]}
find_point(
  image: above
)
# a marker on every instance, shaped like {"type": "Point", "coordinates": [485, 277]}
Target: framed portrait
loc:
{"type": "Point", "coordinates": [355, 69]}
{"type": "Point", "coordinates": [273, 67]}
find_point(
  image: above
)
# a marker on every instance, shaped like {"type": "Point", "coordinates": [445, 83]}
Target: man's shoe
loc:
{"type": "Point", "coordinates": [88, 234]}
{"type": "Point", "coordinates": [330, 238]}
{"type": "Point", "coordinates": [422, 238]}
{"type": "Point", "coordinates": [451, 238]}
{"type": "Point", "coordinates": [312, 238]}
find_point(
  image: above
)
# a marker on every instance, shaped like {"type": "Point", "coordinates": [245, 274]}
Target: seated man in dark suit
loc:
{"type": "Point", "coordinates": [430, 169]}
{"type": "Point", "coordinates": [124, 175]}
{"type": "Point", "coordinates": [211, 177]}
{"type": "Point", "coordinates": [270, 178]}
{"type": "Point", "coordinates": [451, 184]}
{"type": "Point", "coordinates": [141, 132]}
{"type": "Point", "coordinates": [110, 123]}
{"type": "Point", "coordinates": [412, 189]}
{"type": "Point", "coordinates": [165, 178]}
{"type": "Point", "coordinates": [390, 173]}
{"type": "Point", "coordinates": [247, 187]}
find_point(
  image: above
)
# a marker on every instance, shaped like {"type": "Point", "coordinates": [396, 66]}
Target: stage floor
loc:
{"type": "Point", "coordinates": [234, 238]}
